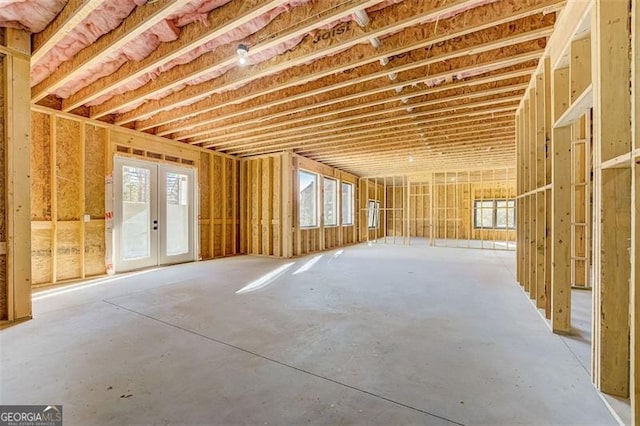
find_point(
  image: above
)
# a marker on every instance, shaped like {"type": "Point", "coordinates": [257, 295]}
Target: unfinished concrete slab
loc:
{"type": "Point", "coordinates": [370, 334]}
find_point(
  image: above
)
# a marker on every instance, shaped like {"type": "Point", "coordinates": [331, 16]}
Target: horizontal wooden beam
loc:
{"type": "Point", "coordinates": [364, 126]}
{"type": "Point", "coordinates": [396, 45]}
{"type": "Point", "coordinates": [382, 104]}
{"type": "Point", "coordinates": [451, 129]}
{"type": "Point", "coordinates": [141, 19]}
{"type": "Point", "coordinates": [372, 91]}
{"type": "Point", "coordinates": [217, 23]}
{"type": "Point", "coordinates": [507, 94]}
{"type": "Point", "coordinates": [285, 27]}
{"type": "Point", "coordinates": [418, 144]}
{"type": "Point", "coordinates": [69, 17]}
{"type": "Point", "coordinates": [375, 140]}
{"type": "Point", "coordinates": [410, 13]}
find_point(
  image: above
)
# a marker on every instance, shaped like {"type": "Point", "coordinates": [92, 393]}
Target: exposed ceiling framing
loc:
{"type": "Point", "coordinates": [438, 92]}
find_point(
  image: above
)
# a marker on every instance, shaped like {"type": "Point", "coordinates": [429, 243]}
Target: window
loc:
{"type": "Point", "coordinates": [483, 214]}
{"type": "Point", "coordinates": [505, 214]}
{"type": "Point", "coordinates": [330, 192]}
{"type": "Point", "coordinates": [308, 208]}
{"type": "Point", "coordinates": [347, 203]}
{"type": "Point", "coordinates": [373, 213]}
{"type": "Point", "coordinates": [494, 214]}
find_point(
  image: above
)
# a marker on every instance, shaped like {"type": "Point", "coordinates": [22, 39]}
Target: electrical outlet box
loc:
{"type": "Point", "coordinates": [87, 218]}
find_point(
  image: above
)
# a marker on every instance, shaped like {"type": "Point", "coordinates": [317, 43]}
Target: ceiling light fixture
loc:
{"type": "Point", "coordinates": [243, 52]}
{"type": "Point", "coordinates": [409, 109]}
{"type": "Point", "coordinates": [404, 100]}
{"type": "Point", "coordinates": [392, 76]}
{"type": "Point", "coordinates": [399, 89]}
{"type": "Point", "coordinates": [384, 61]}
{"type": "Point", "coordinates": [375, 42]}
{"type": "Point", "coordinates": [361, 17]}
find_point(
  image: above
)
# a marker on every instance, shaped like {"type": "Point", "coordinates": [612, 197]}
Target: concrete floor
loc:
{"type": "Point", "coordinates": [378, 334]}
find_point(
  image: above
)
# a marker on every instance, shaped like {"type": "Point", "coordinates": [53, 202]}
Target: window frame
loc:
{"type": "Point", "coordinates": [494, 213]}
{"type": "Point", "coordinates": [336, 202]}
{"type": "Point", "coordinates": [351, 203]}
{"type": "Point", "coordinates": [316, 216]}
{"type": "Point", "coordinates": [376, 217]}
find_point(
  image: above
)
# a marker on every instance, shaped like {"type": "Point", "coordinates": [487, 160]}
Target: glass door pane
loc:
{"type": "Point", "coordinates": [177, 225]}
{"type": "Point", "coordinates": [135, 220]}
{"type": "Point", "coordinates": [177, 214]}
{"type": "Point", "coordinates": [136, 212]}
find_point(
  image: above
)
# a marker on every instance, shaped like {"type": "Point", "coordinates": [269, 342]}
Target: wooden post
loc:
{"type": "Point", "coordinates": [17, 120]}
{"type": "Point", "coordinates": [540, 137]}
{"type": "Point", "coordinates": [561, 210]}
{"type": "Point", "coordinates": [287, 203]}
{"type": "Point", "coordinates": [547, 193]}
{"type": "Point", "coordinates": [635, 247]}
{"type": "Point", "coordinates": [612, 209]}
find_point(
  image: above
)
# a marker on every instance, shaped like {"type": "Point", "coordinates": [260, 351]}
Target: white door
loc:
{"type": "Point", "coordinates": [176, 214]}
{"type": "Point", "coordinates": [153, 214]}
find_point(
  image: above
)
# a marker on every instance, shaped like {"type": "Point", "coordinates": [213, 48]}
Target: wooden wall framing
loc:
{"type": "Point", "coordinates": [15, 266]}
{"type": "Point", "coordinates": [269, 207]}
{"type": "Point", "coordinates": [70, 159]}
{"type": "Point", "coordinates": [591, 126]}
{"type": "Point", "coordinates": [437, 208]}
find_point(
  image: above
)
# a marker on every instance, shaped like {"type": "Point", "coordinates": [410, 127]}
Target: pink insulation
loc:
{"type": "Point", "coordinates": [30, 15]}
{"type": "Point", "coordinates": [143, 46]}
{"type": "Point", "coordinates": [235, 35]}
{"type": "Point", "coordinates": [109, 16]}
{"type": "Point", "coordinates": [102, 20]}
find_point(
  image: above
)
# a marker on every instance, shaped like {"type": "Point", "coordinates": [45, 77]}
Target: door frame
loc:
{"type": "Point", "coordinates": [119, 264]}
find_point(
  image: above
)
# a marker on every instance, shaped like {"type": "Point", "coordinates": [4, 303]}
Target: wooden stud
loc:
{"type": "Point", "coordinates": [561, 213]}
{"type": "Point", "coordinates": [540, 140]}
{"type": "Point", "coordinates": [635, 235]}
{"type": "Point", "coordinates": [610, 28]}
{"type": "Point", "coordinates": [17, 119]}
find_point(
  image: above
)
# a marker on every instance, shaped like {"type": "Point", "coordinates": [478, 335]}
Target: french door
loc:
{"type": "Point", "coordinates": [154, 214]}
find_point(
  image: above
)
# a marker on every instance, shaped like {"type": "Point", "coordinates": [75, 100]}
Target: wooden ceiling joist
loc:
{"type": "Point", "coordinates": [521, 65]}
{"type": "Point", "coordinates": [401, 156]}
{"type": "Point", "coordinates": [69, 17]}
{"type": "Point", "coordinates": [504, 94]}
{"type": "Point", "coordinates": [378, 91]}
{"type": "Point", "coordinates": [394, 144]}
{"type": "Point", "coordinates": [383, 97]}
{"type": "Point", "coordinates": [388, 140]}
{"type": "Point", "coordinates": [444, 114]}
{"type": "Point", "coordinates": [396, 17]}
{"type": "Point", "coordinates": [364, 139]}
{"type": "Point", "coordinates": [285, 27]}
{"type": "Point", "coordinates": [396, 163]}
{"type": "Point", "coordinates": [360, 55]}
{"type": "Point", "coordinates": [425, 85]}
{"type": "Point", "coordinates": [218, 22]}
{"type": "Point", "coordinates": [141, 19]}
{"type": "Point", "coordinates": [289, 142]}
{"type": "Point", "coordinates": [310, 49]}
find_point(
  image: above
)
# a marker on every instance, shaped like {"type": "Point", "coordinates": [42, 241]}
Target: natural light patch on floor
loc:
{"type": "Point", "coordinates": [308, 265]}
{"type": "Point", "coordinates": [85, 285]}
{"type": "Point", "coordinates": [265, 280]}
